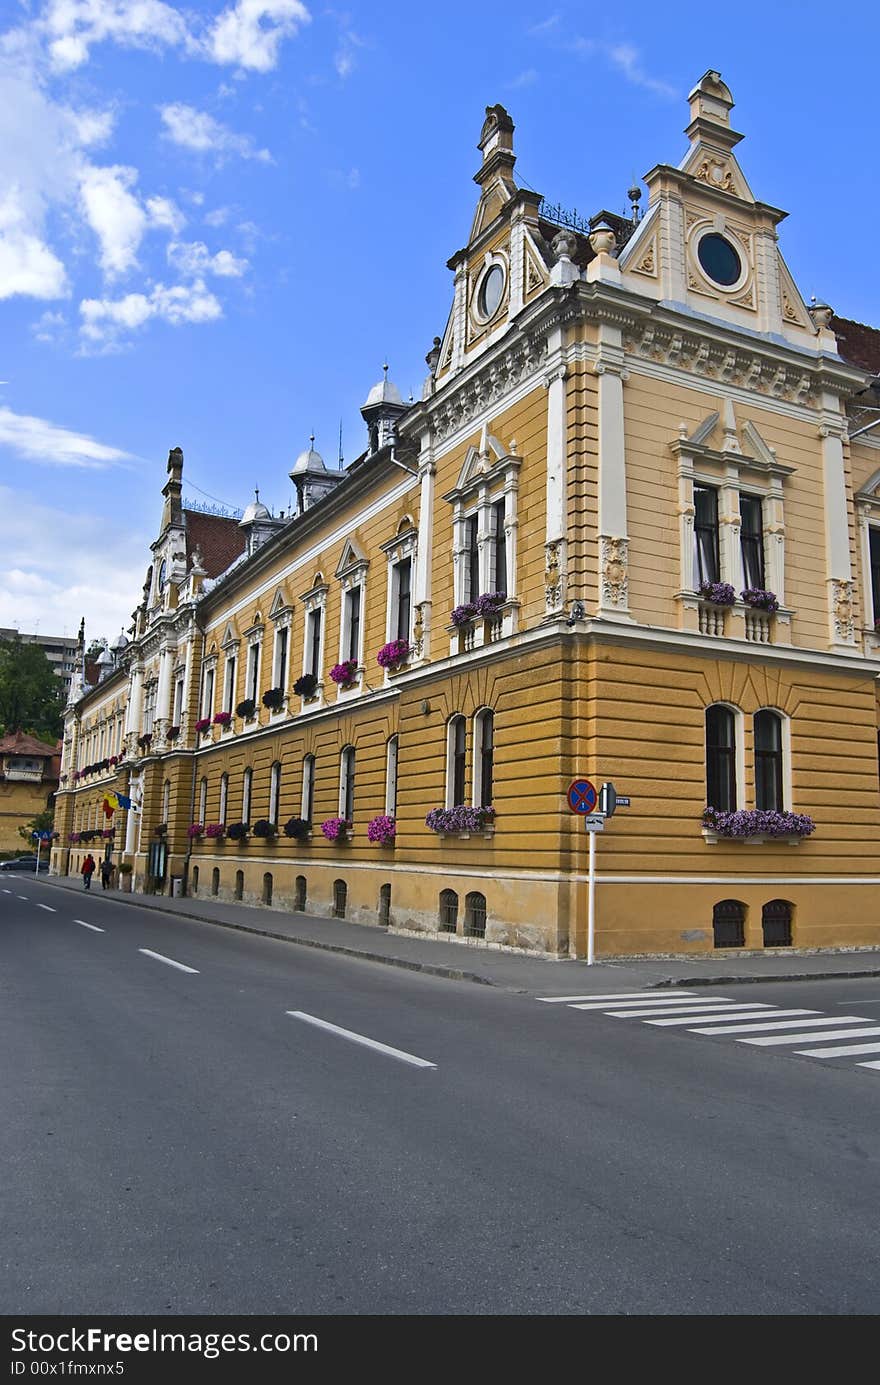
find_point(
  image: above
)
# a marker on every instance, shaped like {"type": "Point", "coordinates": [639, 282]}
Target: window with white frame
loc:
{"type": "Point", "coordinates": [150, 692]}
{"type": "Point", "coordinates": [352, 574]}
{"type": "Point", "coordinates": [166, 800]}
{"type": "Point", "coordinates": [391, 751]}
{"type": "Point", "coordinates": [274, 792]}
{"type": "Point", "coordinates": [224, 797]}
{"type": "Point", "coordinates": [230, 670]}
{"type": "Point", "coordinates": [307, 801]}
{"type": "Point", "coordinates": [279, 658]}
{"type": "Point", "coordinates": [177, 715]}
{"type": "Point", "coordinates": [203, 800]}
{"type": "Point", "coordinates": [484, 757]}
{"type": "Point", "coordinates": [351, 623]}
{"type": "Point", "coordinates": [346, 784]}
{"type": "Point", "coordinates": [751, 539]}
{"type": "Point", "coordinates": [252, 682]}
{"type": "Point", "coordinates": [400, 553]}
{"type": "Point", "coordinates": [874, 557]}
{"type": "Point", "coordinates": [721, 757]}
{"type": "Point", "coordinates": [484, 502]}
{"type": "Point", "coordinates": [246, 788]}
{"type": "Point", "coordinates": [707, 563]}
{"type": "Point", "coordinates": [315, 602]}
{"type": "Point", "coordinates": [208, 678]}
{"type": "Point", "coordinates": [456, 761]}
{"type": "Point", "coordinates": [769, 767]}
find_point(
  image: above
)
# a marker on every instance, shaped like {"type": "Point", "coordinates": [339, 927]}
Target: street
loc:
{"type": "Point", "coordinates": [198, 1121]}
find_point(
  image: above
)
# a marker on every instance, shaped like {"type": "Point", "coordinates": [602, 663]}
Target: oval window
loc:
{"type": "Point", "coordinates": [491, 291]}
{"type": "Point", "coordinates": [163, 575]}
{"type": "Point", "coordinates": [719, 260]}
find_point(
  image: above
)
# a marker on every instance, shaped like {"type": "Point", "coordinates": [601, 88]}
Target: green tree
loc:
{"type": "Point", "coordinates": [43, 822]}
{"type": "Point", "coordinates": [29, 691]}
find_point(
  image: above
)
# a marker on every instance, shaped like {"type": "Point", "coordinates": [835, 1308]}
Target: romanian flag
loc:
{"type": "Point", "coordinates": [115, 800]}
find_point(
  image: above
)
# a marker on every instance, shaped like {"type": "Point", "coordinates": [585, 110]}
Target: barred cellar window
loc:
{"type": "Point", "coordinates": [728, 923]}
{"type": "Point", "coordinates": [340, 896]}
{"type": "Point", "coordinates": [239, 884]}
{"type": "Point", "coordinates": [475, 915]}
{"type": "Point", "coordinates": [448, 911]}
{"type": "Point", "coordinates": [215, 880]}
{"type": "Point", "coordinates": [267, 887]}
{"type": "Point", "coordinates": [384, 905]}
{"type": "Point", "coordinates": [776, 923]}
{"type": "Point", "coordinates": [299, 894]}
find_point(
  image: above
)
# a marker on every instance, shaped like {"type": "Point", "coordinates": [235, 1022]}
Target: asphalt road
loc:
{"type": "Point", "coordinates": [191, 1141]}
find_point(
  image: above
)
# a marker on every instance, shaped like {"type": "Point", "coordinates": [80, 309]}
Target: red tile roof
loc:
{"type": "Point", "coordinates": [20, 744]}
{"type": "Point", "coordinates": [858, 343]}
{"type": "Point", "coordinates": [219, 540]}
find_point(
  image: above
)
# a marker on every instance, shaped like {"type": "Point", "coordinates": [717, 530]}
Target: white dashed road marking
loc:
{"type": "Point", "coordinates": [362, 1039]}
{"type": "Point", "coordinates": [169, 961]}
{"type": "Point", "coordinates": [94, 927]}
{"type": "Point", "coordinates": [47, 907]}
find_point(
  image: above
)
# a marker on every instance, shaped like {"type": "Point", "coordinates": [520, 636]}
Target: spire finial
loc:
{"type": "Point", "coordinates": [257, 494]}
{"type": "Point", "coordinates": [312, 440]}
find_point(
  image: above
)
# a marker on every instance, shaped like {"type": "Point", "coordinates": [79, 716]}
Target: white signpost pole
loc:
{"type": "Point", "coordinates": [591, 900]}
{"type": "Point", "coordinates": [37, 866]}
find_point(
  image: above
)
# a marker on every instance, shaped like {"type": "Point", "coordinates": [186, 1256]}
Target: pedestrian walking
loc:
{"type": "Point", "coordinates": [87, 870]}
{"type": "Point", "coordinates": [106, 873]}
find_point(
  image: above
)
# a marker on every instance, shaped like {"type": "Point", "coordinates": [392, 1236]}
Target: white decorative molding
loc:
{"type": "Point", "coordinates": [614, 573]}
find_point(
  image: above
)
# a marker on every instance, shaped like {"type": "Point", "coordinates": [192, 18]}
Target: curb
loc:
{"type": "Point", "coordinates": [752, 980]}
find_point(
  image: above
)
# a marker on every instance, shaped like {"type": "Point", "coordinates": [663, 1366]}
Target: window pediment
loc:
{"type": "Point", "coordinates": [353, 561]}
{"type": "Point", "coordinates": [487, 464]}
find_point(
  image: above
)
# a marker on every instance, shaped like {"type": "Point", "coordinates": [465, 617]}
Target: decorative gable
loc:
{"type": "Point", "coordinates": [485, 465]}
{"type": "Point", "coordinates": [353, 560]}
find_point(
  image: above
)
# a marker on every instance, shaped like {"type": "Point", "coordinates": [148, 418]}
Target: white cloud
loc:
{"type": "Point", "coordinates": [165, 214]}
{"type": "Point", "coordinates": [105, 321]}
{"type": "Point", "coordinates": [627, 59]}
{"type": "Point", "coordinates": [73, 26]}
{"type": "Point", "coordinates": [93, 127]}
{"type": "Point", "coordinates": [196, 130]}
{"type": "Point", "coordinates": [338, 178]}
{"type": "Point", "coordinates": [114, 214]}
{"type": "Point", "coordinates": [528, 78]}
{"type": "Point", "coordinates": [46, 443]}
{"type": "Point", "coordinates": [194, 258]}
{"type": "Point", "coordinates": [344, 57]}
{"type": "Point", "coordinates": [27, 265]}
{"type": "Point", "coordinates": [50, 327]}
{"type": "Point", "coordinates": [250, 32]}
{"type": "Point", "coordinates": [218, 217]}
{"type": "Point", "coordinates": [39, 576]}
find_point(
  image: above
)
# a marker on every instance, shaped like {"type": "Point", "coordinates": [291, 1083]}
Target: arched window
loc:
{"type": "Point", "coordinates": [346, 784]}
{"type": "Point", "coordinates": [274, 792]}
{"type": "Point", "coordinates": [166, 800]}
{"type": "Point", "coordinates": [776, 923]}
{"type": "Point", "coordinates": [729, 923]}
{"type": "Point", "coordinates": [768, 761]}
{"type": "Point", "coordinates": [195, 880]}
{"type": "Point", "coordinates": [484, 757]}
{"type": "Point", "coordinates": [456, 758]}
{"type": "Point", "coordinates": [720, 758]}
{"type": "Point", "coordinates": [239, 884]}
{"type": "Point", "coordinates": [299, 895]}
{"type": "Point", "coordinates": [340, 896]}
{"type": "Point", "coordinates": [391, 777]}
{"type": "Point", "coordinates": [475, 915]}
{"type": "Point", "coordinates": [246, 795]}
{"type": "Point", "coordinates": [448, 911]}
{"type": "Point", "coordinates": [308, 788]}
{"type": "Point", "coordinates": [384, 905]}
{"type": "Point", "coordinates": [224, 797]}
{"type": "Point", "coordinates": [215, 880]}
{"type": "Point", "coordinates": [267, 887]}
{"type": "Point", "coordinates": [203, 800]}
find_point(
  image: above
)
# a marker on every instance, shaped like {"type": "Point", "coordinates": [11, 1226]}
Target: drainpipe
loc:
{"type": "Point", "coordinates": [192, 796]}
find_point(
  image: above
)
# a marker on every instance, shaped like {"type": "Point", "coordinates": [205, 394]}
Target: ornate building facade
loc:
{"type": "Point", "coordinates": [631, 530]}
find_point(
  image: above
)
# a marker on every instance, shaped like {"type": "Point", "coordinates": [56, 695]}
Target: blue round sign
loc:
{"type": "Point", "coordinates": [582, 796]}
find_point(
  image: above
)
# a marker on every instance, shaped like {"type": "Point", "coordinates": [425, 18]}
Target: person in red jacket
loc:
{"type": "Point", "coordinates": [88, 869]}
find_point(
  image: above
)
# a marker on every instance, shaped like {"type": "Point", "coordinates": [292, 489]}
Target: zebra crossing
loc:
{"type": "Point", "coordinates": [808, 1033]}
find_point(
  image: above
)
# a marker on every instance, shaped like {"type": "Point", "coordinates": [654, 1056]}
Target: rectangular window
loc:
{"type": "Point", "coordinates": [253, 676]}
{"type": "Point", "coordinates": [752, 541]}
{"type": "Point", "coordinates": [720, 759]}
{"type": "Point", "coordinates": [768, 762]}
{"type": "Point", "coordinates": [706, 561]}
{"type": "Point", "coordinates": [229, 684]}
{"type": "Point", "coordinates": [353, 622]}
{"type": "Point", "coordinates": [314, 649]}
{"type": "Point", "coordinates": [178, 702]}
{"type": "Point", "coordinates": [472, 558]}
{"type": "Point", "coordinates": [279, 674]}
{"type": "Point", "coordinates": [874, 541]}
{"type": "Point", "coordinates": [499, 556]}
{"type": "Point", "coordinates": [403, 595]}
{"type": "Point", "coordinates": [459, 756]}
{"type": "Point", "coordinates": [308, 788]}
{"type": "Point", "coordinates": [208, 698]}
{"type": "Point", "coordinates": [487, 758]}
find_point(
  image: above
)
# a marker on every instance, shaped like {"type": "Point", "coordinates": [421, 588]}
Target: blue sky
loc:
{"type": "Point", "coordinates": [217, 220]}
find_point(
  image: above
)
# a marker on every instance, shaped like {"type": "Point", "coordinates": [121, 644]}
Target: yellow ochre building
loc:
{"type": "Point", "coordinates": [630, 530]}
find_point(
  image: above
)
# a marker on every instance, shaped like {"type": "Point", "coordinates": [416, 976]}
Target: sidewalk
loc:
{"type": "Point", "coordinates": [521, 972]}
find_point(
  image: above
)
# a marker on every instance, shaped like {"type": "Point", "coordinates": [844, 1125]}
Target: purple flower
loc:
{"type": "Point", "coordinates": [344, 673]}
{"type": "Point", "coordinates": [382, 829]}
{"type": "Point", "coordinates": [393, 653]}
{"type": "Point", "coordinates": [462, 614]}
{"type": "Point", "coordinates": [754, 822]}
{"type": "Point", "coordinates": [459, 819]}
{"type": "Point", "coordinates": [488, 604]}
{"type": "Point", "coordinates": [719, 593]}
{"type": "Point", "coordinates": [222, 718]}
{"type": "Point", "coordinates": [202, 724]}
{"type": "Point", "coordinates": [334, 828]}
{"type": "Point", "coordinates": [760, 600]}
{"type": "Point", "coordinates": [195, 829]}
{"type": "Point", "coordinates": [215, 830]}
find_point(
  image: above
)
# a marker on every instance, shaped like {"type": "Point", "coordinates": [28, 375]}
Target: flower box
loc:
{"type": "Point", "coordinates": [237, 831]}
{"type": "Point", "coordinates": [761, 600]}
{"type": "Point", "coordinates": [393, 654]}
{"type": "Point", "coordinates": [756, 825]}
{"type": "Point", "coordinates": [273, 698]}
{"type": "Point", "coordinates": [144, 742]}
{"type": "Point", "coordinates": [246, 708]}
{"type": "Point", "coordinates": [202, 725]}
{"type": "Point", "coordinates": [300, 829]}
{"type": "Point", "coordinates": [172, 733]}
{"type": "Point", "coordinates": [195, 830]}
{"type": "Point", "coordinates": [216, 831]}
{"type": "Point", "coordinates": [306, 686]}
{"type": "Point", "coordinates": [718, 593]}
{"type": "Point", "coordinates": [336, 829]}
{"type": "Point", "coordinates": [382, 829]}
{"type": "Point", "coordinates": [461, 820]}
{"type": "Point", "coordinates": [344, 674]}
{"type": "Point", "coordinates": [264, 828]}
{"type": "Point", "coordinates": [223, 719]}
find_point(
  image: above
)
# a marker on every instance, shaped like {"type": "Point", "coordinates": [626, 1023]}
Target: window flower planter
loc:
{"type": "Point", "coordinates": [337, 829]}
{"type": "Point", "coordinates": [755, 826]}
{"type": "Point", "coordinates": [393, 654]}
{"type": "Point", "coordinates": [144, 742]}
{"type": "Point", "coordinates": [344, 674]}
{"type": "Point", "coordinates": [172, 733]}
{"type": "Point", "coordinates": [718, 593]}
{"type": "Point", "coordinates": [273, 698]}
{"type": "Point", "coordinates": [246, 708]}
{"type": "Point", "coordinates": [382, 829]}
{"type": "Point", "coordinates": [237, 831]}
{"type": "Point", "coordinates": [195, 830]}
{"type": "Point", "coordinates": [761, 600]}
{"type": "Point", "coordinates": [300, 829]}
{"type": "Point", "coordinates": [264, 828]}
{"type": "Point", "coordinates": [216, 831]}
{"type": "Point", "coordinates": [461, 821]}
{"type": "Point", "coordinates": [306, 686]}
{"type": "Point", "coordinates": [222, 719]}
{"type": "Point", "coordinates": [202, 725]}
